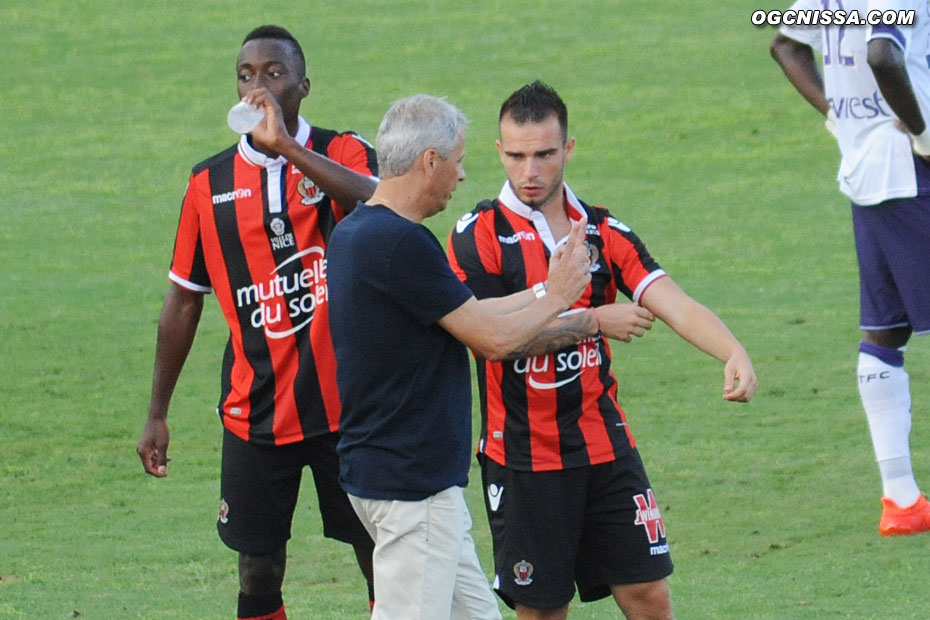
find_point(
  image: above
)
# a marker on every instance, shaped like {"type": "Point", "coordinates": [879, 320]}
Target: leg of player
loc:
{"type": "Point", "coordinates": [365, 563]}
{"type": "Point", "coordinates": [644, 601]}
{"type": "Point", "coordinates": [260, 581]}
{"type": "Point", "coordinates": [886, 398]}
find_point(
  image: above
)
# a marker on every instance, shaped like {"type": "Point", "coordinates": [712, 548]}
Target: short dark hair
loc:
{"type": "Point", "coordinates": [277, 32]}
{"type": "Point", "coordinates": [534, 103]}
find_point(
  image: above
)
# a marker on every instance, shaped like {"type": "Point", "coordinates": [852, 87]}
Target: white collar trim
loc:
{"type": "Point", "coordinates": [509, 200]}
{"type": "Point", "coordinates": [257, 158]}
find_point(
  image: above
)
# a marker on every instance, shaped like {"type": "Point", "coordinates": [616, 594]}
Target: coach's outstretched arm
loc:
{"type": "Point", "coordinates": [496, 328]}
{"type": "Point", "coordinates": [177, 326]}
{"type": "Point", "coordinates": [342, 184]}
{"type": "Point", "coordinates": [703, 329]}
{"type": "Point", "coordinates": [617, 321]}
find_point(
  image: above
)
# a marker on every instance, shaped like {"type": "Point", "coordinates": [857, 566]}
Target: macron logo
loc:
{"type": "Point", "coordinates": [464, 222]}
{"type": "Point", "coordinates": [219, 199]}
{"type": "Point", "coordinates": [513, 239]}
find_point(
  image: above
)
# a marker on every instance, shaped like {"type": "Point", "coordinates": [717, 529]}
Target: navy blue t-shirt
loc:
{"type": "Point", "coordinates": [404, 381]}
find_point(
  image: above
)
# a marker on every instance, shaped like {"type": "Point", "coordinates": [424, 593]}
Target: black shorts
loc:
{"type": "Point", "coordinates": [592, 526]}
{"type": "Point", "coordinates": [259, 487]}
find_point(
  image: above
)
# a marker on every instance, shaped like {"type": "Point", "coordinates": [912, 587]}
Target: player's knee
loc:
{"type": "Point", "coordinates": [645, 601]}
{"type": "Point", "coordinates": [894, 338]}
{"type": "Point", "coordinates": [262, 574]}
{"type": "Point", "coordinates": [530, 613]}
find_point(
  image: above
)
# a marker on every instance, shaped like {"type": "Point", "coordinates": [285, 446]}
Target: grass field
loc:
{"type": "Point", "coordinates": [686, 130]}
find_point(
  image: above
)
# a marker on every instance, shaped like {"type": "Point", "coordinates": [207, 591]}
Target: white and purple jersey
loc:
{"type": "Point", "coordinates": [878, 164]}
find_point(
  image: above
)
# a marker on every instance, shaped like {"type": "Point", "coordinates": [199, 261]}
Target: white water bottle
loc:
{"type": "Point", "coordinates": [243, 117]}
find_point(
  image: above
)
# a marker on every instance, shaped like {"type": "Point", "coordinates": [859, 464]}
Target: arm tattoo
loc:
{"type": "Point", "coordinates": [558, 334]}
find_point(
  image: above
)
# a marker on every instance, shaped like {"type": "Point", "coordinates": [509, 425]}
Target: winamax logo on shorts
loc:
{"type": "Point", "coordinates": [274, 304]}
{"type": "Point", "coordinates": [650, 517]}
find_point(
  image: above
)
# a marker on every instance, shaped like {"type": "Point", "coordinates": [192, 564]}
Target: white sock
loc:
{"type": "Point", "coordinates": [886, 398]}
{"type": "Point", "coordinates": [898, 481]}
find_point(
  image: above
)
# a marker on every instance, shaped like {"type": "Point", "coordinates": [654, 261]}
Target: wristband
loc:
{"type": "Point", "coordinates": [921, 143]}
{"type": "Point", "coordinates": [539, 289]}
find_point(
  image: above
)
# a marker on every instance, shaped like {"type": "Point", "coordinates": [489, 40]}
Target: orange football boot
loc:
{"type": "Point", "coordinates": [897, 521]}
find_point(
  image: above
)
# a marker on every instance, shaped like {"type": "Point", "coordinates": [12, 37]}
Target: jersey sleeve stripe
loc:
{"type": "Point", "coordinates": [881, 31]}
{"type": "Point", "coordinates": [652, 277]}
{"type": "Point", "coordinates": [197, 288]}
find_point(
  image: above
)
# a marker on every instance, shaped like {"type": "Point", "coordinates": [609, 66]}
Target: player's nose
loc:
{"type": "Point", "coordinates": [530, 168]}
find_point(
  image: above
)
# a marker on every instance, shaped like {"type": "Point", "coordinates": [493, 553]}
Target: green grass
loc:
{"type": "Point", "coordinates": [686, 130]}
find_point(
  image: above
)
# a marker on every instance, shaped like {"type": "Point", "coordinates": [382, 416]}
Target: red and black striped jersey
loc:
{"type": "Point", "coordinates": [254, 229]}
{"type": "Point", "coordinates": [558, 410]}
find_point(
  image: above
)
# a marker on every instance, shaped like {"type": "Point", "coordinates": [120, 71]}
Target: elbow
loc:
{"type": "Point", "coordinates": [492, 351]}
{"type": "Point", "coordinates": [775, 49]}
{"type": "Point", "coordinates": [877, 61]}
{"type": "Point", "coordinates": [881, 56]}
{"type": "Point", "coordinates": [498, 356]}
{"type": "Point", "coordinates": [494, 345]}
{"type": "Point", "coordinates": [781, 48]}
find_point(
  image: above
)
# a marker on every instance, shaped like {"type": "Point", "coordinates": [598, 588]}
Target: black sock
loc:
{"type": "Point", "coordinates": [256, 606]}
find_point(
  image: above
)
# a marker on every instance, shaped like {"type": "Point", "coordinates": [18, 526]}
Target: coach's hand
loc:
{"type": "Point", "coordinates": [570, 266]}
{"type": "Point", "coordinates": [153, 448]}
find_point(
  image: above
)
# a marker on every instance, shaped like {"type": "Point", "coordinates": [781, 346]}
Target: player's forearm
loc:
{"type": "Point", "coordinates": [342, 184]}
{"type": "Point", "coordinates": [800, 67]}
{"type": "Point", "coordinates": [177, 327]}
{"type": "Point", "coordinates": [703, 329]}
{"type": "Point", "coordinates": [888, 66]}
{"type": "Point", "coordinates": [694, 322]}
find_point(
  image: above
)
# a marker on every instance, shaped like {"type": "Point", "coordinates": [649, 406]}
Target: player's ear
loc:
{"type": "Point", "coordinates": [428, 160]}
{"type": "Point", "coordinates": [569, 148]}
{"type": "Point", "coordinates": [500, 149]}
{"type": "Point", "coordinates": [304, 87]}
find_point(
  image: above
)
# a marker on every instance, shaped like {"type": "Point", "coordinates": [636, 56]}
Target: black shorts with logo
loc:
{"type": "Point", "coordinates": [259, 487]}
{"type": "Point", "coordinates": [592, 526]}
